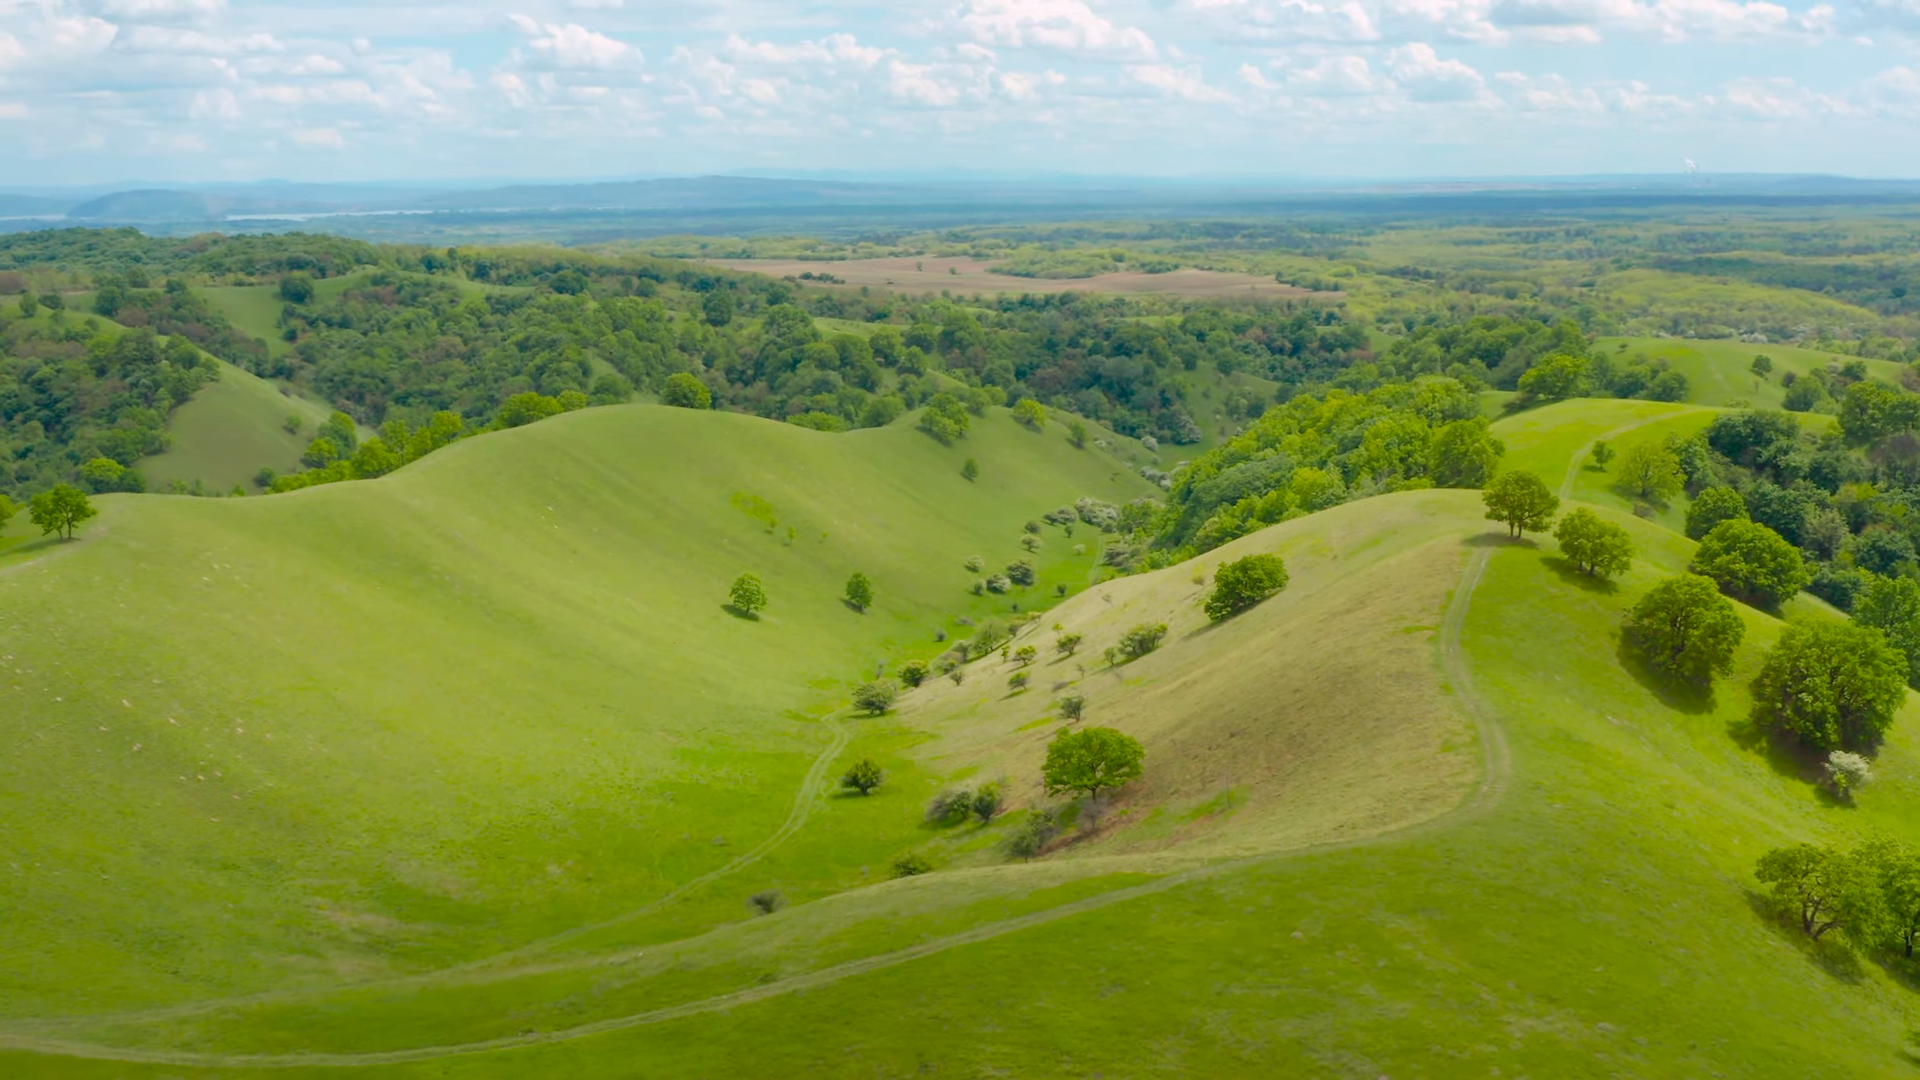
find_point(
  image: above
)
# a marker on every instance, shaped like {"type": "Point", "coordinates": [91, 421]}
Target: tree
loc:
{"type": "Point", "coordinates": [1141, 640]}
{"type": "Point", "coordinates": [1025, 655]}
{"type": "Point", "coordinates": [1751, 562]}
{"type": "Point", "coordinates": [1554, 378]}
{"type": "Point", "coordinates": [1602, 454]}
{"type": "Point", "coordinates": [1711, 507]}
{"type": "Point", "coordinates": [944, 418]}
{"type": "Point", "coordinates": [1030, 413]}
{"type": "Point", "coordinates": [1463, 454]}
{"type": "Point", "coordinates": [1899, 873]}
{"type": "Point", "coordinates": [859, 592]}
{"type": "Point", "coordinates": [863, 776]}
{"type": "Point", "coordinates": [747, 595]}
{"type": "Point", "coordinates": [716, 308]}
{"type": "Point", "coordinates": [1595, 547]}
{"type": "Point", "coordinates": [683, 391]}
{"type": "Point", "coordinates": [1021, 572]}
{"type": "Point", "coordinates": [914, 672]}
{"type": "Point", "coordinates": [1650, 471]}
{"type": "Point", "coordinates": [1871, 411]}
{"type": "Point", "coordinates": [1847, 772]}
{"type": "Point", "coordinates": [877, 696]}
{"type": "Point", "coordinates": [296, 288]}
{"type": "Point", "coordinates": [522, 409]}
{"type": "Point", "coordinates": [1823, 888]}
{"type": "Point", "coordinates": [970, 470]}
{"type": "Point", "coordinates": [1077, 435]}
{"type": "Point", "coordinates": [104, 474]}
{"type": "Point", "coordinates": [1034, 834]}
{"type": "Point", "coordinates": [1242, 583]}
{"type": "Point", "coordinates": [1091, 760]}
{"type": "Point", "coordinates": [1066, 644]}
{"type": "Point", "coordinates": [987, 802]}
{"type": "Point", "coordinates": [7, 510]}
{"type": "Point", "coordinates": [1831, 685]}
{"type": "Point", "coordinates": [1072, 707]}
{"type": "Point", "coordinates": [1521, 501]}
{"type": "Point", "coordinates": [60, 509]}
{"type": "Point", "coordinates": [1892, 606]}
{"type": "Point", "coordinates": [911, 865]}
{"type": "Point", "coordinates": [1685, 628]}
{"type": "Point", "coordinates": [1762, 366]}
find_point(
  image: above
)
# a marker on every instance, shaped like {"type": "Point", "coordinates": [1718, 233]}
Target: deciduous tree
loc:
{"type": "Point", "coordinates": [1831, 685]}
{"type": "Point", "coordinates": [1685, 628]}
{"type": "Point", "coordinates": [876, 697]}
{"type": "Point", "coordinates": [1091, 760]}
{"type": "Point", "coordinates": [863, 776]}
{"type": "Point", "coordinates": [60, 509]}
{"type": "Point", "coordinates": [1244, 582]}
{"type": "Point", "coordinates": [1650, 471]}
{"type": "Point", "coordinates": [859, 591]}
{"type": "Point", "coordinates": [686, 392]}
{"type": "Point", "coordinates": [1596, 547]}
{"type": "Point", "coordinates": [747, 595]}
{"type": "Point", "coordinates": [1521, 501]}
{"type": "Point", "coordinates": [1711, 507]}
{"type": "Point", "coordinates": [1892, 606]}
{"type": "Point", "coordinates": [1752, 562]}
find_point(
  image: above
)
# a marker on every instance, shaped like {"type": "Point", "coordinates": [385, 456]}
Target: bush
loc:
{"type": "Point", "coordinates": [998, 583]}
{"type": "Point", "coordinates": [1031, 414]}
{"type": "Point", "coordinates": [1847, 773]}
{"type": "Point", "coordinates": [1025, 654]}
{"type": "Point", "coordinates": [860, 592]}
{"type": "Point", "coordinates": [876, 697]}
{"type": "Point", "coordinates": [975, 564]}
{"type": "Point", "coordinates": [1036, 831]}
{"type": "Point", "coordinates": [950, 807]}
{"type": "Point", "coordinates": [914, 672]}
{"type": "Point", "coordinates": [945, 419]}
{"type": "Point", "coordinates": [1832, 686]}
{"type": "Point", "coordinates": [683, 391]}
{"type": "Point", "coordinates": [1685, 628]}
{"type": "Point", "coordinates": [1072, 707]}
{"type": "Point", "coordinates": [911, 865]}
{"type": "Point", "coordinates": [767, 901]}
{"type": "Point", "coordinates": [1067, 644]}
{"type": "Point", "coordinates": [863, 776]}
{"type": "Point", "coordinates": [1022, 573]}
{"type": "Point", "coordinates": [1018, 680]}
{"type": "Point", "coordinates": [1141, 640]}
{"type": "Point", "coordinates": [1752, 562]}
{"type": "Point", "coordinates": [1241, 584]}
{"type": "Point", "coordinates": [987, 802]}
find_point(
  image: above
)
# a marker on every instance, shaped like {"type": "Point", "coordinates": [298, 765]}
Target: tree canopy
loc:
{"type": "Point", "coordinates": [1751, 562]}
{"type": "Point", "coordinates": [1244, 582]}
{"type": "Point", "coordinates": [1831, 686]}
{"type": "Point", "coordinates": [1595, 547]}
{"type": "Point", "coordinates": [60, 509]}
{"type": "Point", "coordinates": [1091, 760]}
{"type": "Point", "coordinates": [1520, 500]}
{"type": "Point", "coordinates": [1685, 628]}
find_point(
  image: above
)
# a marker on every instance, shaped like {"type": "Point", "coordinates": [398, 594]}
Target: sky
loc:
{"type": "Point", "coordinates": [100, 91]}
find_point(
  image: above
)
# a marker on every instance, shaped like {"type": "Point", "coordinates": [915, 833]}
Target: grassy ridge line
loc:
{"type": "Point", "coordinates": [1579, 458]}
{"type": "Point", "coordinates": [1453, 660]}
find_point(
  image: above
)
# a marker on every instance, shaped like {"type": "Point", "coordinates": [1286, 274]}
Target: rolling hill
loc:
{"type": "Point", "coordinates": [466, 772]}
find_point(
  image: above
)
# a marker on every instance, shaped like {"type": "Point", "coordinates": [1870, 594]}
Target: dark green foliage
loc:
{"type": "Point", "coordinates": [60, 509]}
{"type": "Point", "coordinates": [747, 594]}
{"type": "Point", "coordinates": [946, 420]}
{"type": "Point", "coordinates": [102, 475]}
{"type": "Point", "coordinates": [1520, 500]}
{"type": "Point", "coordinates": [1554, 377]}
{"type": "Point", "coordinates": [1141, 640]}
{"type": "Point", "coordinates": [1831, 686]}
{"type": "Point", "coordinates": [767, 901]}
{"type": "Point", "coordinates": [862, 776]}
{"type": "Point", "coordinates": [970, 470]}
{"type": "Point", "coordinates": [1824, 889]}
{"type": "Point", "coordinates": [1892, 606]}
{"type": "Point", "coordinates": [1751, 562]}
{"type": "Point", "coordinates": [876, 697]}
{"type": "Point", "coordinates": [1711, 507]}
{"type": "Point", "coordinates": [1593, 546]}
{"type": "Point", "coordinates": [1685, 629]}
{"type": "Point", "coordinates": [1464, 454]}
{"type": "Point", "coordinates": [914, 672]}
{"type": "Point", "coordinates": [1244, 582]}
{"type": "Point", "coordinates": [1091, 760]}
{"type": "Point", "coordinates": [987, 802]}
{"type": "Point", "coordinates": [296, 288]}
{"type": "Point", "coordinates": [1871, 411]}
{"type": "Point", "coordinates": [7, 510]}
{"type": "Point", "coordinates": [1021, 572]}
{"type": "Point", "coordinates": [1650, 471]}
{"type": "Point", "coordinates": [910, 865]}
{"type": "Point", "coordinates": [686, 392]}
{"type": "Point", "coordinates": [1784, 510]}
{"type": "Point", "coordinates": [1072, 707]}
{"type": "Point", "coordinates": [1034, 833]}
{"type": "Point", "coordinates": [860, 591]}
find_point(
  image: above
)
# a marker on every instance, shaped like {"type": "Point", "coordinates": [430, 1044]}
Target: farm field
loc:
{"type": "Point", "coordinates": [1374, 820]}
{"type": "Point", "coordinates": [969, 275]}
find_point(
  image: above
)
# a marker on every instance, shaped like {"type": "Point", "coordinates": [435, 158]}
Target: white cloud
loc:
{"type": "Point", "coordinates": [13, 110]}
{"type": "Point", "coordinates": [832, 49]}
{"type": "Point", "coordinates": [1062, 25]}
{"type": "Point", "coordinates": [161, 39]}
{"type": "Point", "coordinates": [1337, 76]}
{"type": "Point", "coordinates": [1428, 78]}
{"type": "Point", "coordinates": [571, 46]}
{"type": "Point", "coordinates": [324, 138]}
{"type": "Point", "coordinates": [920, 84]}
{"type": "Point", "coordinates": [216, 104]}
{"type": "Point", "coordinates": [162, 10]}
{"type": "Point", "coordinates": [1184, 83]}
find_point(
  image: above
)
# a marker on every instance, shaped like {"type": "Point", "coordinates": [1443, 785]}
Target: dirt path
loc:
{"type": "Point", "coordinates": [1580, 455]}
{"type": "Point", "coordinates": [1454, 662]}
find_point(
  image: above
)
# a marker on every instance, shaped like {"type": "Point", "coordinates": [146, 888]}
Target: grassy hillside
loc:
{"type": "Point", "coordinates": [1417, 816]}
{"type": "Point", "coordinates": [1720, 372]}
{"type": "Point", "coordinates": [232, 429]}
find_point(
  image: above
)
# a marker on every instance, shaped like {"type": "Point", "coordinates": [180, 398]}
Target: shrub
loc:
{"type": "Point", "coordinates": [1685, 628]}
{"type": "Point", "coordinates": [1142, 640]}
{"type": "Point", "coordinates": [1067, 644]}
{"type": "Point", "coordinates": [970, 470]}
{"type": "Point", "coordinates": [1025, 654]}
{"type": "Point", "coordinates": [1036, 831]}
{"type": "Point", "coordinates": [975, 564]}
{"type": "Point", "coordinates": [767, 901]}
{"type": "Point", "coordinates": [877, 696]}
{"type": "Point", "coordinates": [1832, 686]}
{"type": "Point", "coordinates": [1847, 772]}
{"type": "Point", "coordinates": [860, 592]}
{"type": "Point", "coordinates": [863, 776]}
{"type": "Point", "coordinates": [987, 637]}
{"type": "Point", "coordinates": [683, 391]}
{"type": "Point", "coordinates": [1594, 546]}
{"type": "Point", "coordinates": [747, 595]}
{"type": "Point", "coordinates": [914, 672]}
{"type": "Point", "coordinates": [998, 583]}
{"type": "Point", "coordinates": [987, 802]}
{"type": "Point", "coordinates": [1021, 572]}
{"type": "Point", "coordinates": [1242, 583]}
{"type": "Point", "coordinates": [1031, 414]}
{"type": "Point", "coordinates": [1752, 562]}
{"type": "Point", "coordinates": [1072, 707]}
{"type": "Point", "coordinates": [1018, 680]}
{"type": "Point", "coordinates": [911, 865]}
{"type": "Point", "coordinates": [949, 807]}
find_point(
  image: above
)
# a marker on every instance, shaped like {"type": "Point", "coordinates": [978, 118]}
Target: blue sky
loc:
{"type": "Point", "coordinates": [108, 90]}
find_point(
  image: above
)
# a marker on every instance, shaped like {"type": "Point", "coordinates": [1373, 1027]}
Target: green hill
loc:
{"type": "Point", "coordinates": [465, 772]}
{"type": "Point", "coordinates": [230, 430]}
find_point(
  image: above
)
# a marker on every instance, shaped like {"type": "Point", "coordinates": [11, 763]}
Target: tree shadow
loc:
{"type": "Point", "coordinates": [740, 613]}
{"type": "Point", "coordinates": [1572, 575]}
{"type": "Point", "coordinates": [1684, 695]}
{"type": "Point", "coordinates": [1787, 759]}
{"type": "Point", "coordinates": [853, 607]}
{"type": "Point", "coordinates": [1839, 962]}
{"type": "Point", "coordinates": [1494, 539]}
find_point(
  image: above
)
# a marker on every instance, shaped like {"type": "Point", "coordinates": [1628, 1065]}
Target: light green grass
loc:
{"type": "Point", "coordinates": [230, 430]}
{"type": "Point", "coordinates": [1720, 372]}
{"type": "Point", "coordinates": [252, 309]}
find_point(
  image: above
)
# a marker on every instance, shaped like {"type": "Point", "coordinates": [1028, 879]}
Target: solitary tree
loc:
{"type": "Point", "coordinates": [914, 672]}
{"type": "Point", "coordinates": [1823, 888]}
{"type": "Point", "coordinates": [686, 392]}
{"type": "Point", "coordinates": [1031, 413]}
{"type": "Point", "coordinates": [1091, 760]}
{"type": "Point", "coordinates": [1847, 772]}
{"type": "Point", "coordinates": [859, 592]}
{"type": "Point", "coordinates": [1752, 562]}
{"type": "Point", "coordinates": [987, 801]}
{"type": "Point", "coordinates": [970, 470]}
{"type": "Point", "coordinates": [1831, 685]}
{"type": "Point", "coordinates": [863, 776]}
{"type": "Point", "coordinates": [1072, 707]}
{"type": "Point", "coordinates": [1065, 644]}
{"type": "Point", "coordinates": [877, 696]}
{"type": "Point", "coordinates": [59, 510]}
{"type": "Point", "coordinates": [1762, 366]}
{"type": "Point", "coordinates": [1077, 434]}
{"type": "Point", "coordinates": [1602, 454]}
{"type": "Point", "coordinates": [1650, 471]}
{"type": "Point", "coordinates": [1685, 628]}
{"type": "Point", "coordinates": [1521, 501]}
{"type": "Point", "coordinates": [1711, 507]}
{"type": "Point", "coordinates": [1242, 583]}
{"type": "Point", "coordinates": [747, 594]}
{"type": "Point", "coordinates": [1596, 547]}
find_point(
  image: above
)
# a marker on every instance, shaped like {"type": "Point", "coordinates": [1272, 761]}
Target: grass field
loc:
{"type": "Point", "coordinates": [1720, 372]}
{"type": "Point", "coordinates": [491, 704]}
{"type": "Point", "coordinates": [968, 276]}
{"type": "Point", "coordinates": [232, 429]}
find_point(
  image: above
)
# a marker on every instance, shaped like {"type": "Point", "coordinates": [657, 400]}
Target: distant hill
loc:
{"type": "Point", "coordinates": [159, 205]}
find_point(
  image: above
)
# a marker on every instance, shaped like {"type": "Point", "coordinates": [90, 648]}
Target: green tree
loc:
{"type": "Point", "coordinates": [1463, 454]}
{"type": "Point", "coordinates": [1521, 501]}
{"type": "Point", "coordinates": [1871, 411]}
{"type": "Point", "coordinates": [1021, 572]}
{"type": "Point", "coordinates": [1762, 366]}
{"type": "Point", "coordinates": [863, 776]}
{"type": "Point", "coordinates": [944, 418]}
{"type": "Point", "coordinates": [876, 697]}
{"type": "Point", "coordinates": [987, 802]}
{"type": "Point", "coordinates": [1831, 685]}
{"type": "Point", "coordinates": [296, 288]}
{"type": "Point", "coordinates": [914, 672]}
{"type": "Point", "coordinates": [1752, 562]}
{"type": "Point", "coordinates": [1035, 832]}
{"type": "Point", "coordinates": [1242, 583]}
{"type": "Point", "coordinates": [1824, 889]}
{"type": "Point", "coordinates": [1030, 413]}
{"type": "Point", "coordinates": [1650, 471]}
{"type": "Point", "coordinates": [7, 510]}
{"type": "Point", "coordinates": [1899, 873]}
{"type": "Point", "coordinates": [970, 470]}
{"type": "Point", "coordinates": [1066, 644]}
{"type": "Point", "coordinates": [60, 509]}
{"type": "Point", "coordinates": [1685, 628]}
{"type": "Point", "coordinates": [103, 474]}
{"type": "Point", "coordinates": [1091, 760]}
{"type": "Point", "coordinates": [859, 592]}
{"type": "Point", "coordinates": [1072, 707]}
{"type": "Point", "coordinates": [716, 308]}
{"type": "Point", "coordinates": [747, 595]}
{"type": "Point", "coordinates": [1554, 378]}
{"type": "Point", "coordinates": [1596, 547]}
{"type": "Point", "coordinates": [1711, 507]}
{"type": "Point", "coordinates": [683, 391]}
{"type": "Point", "coordinates": [522, 409]}
{"type": "Point", "coordinates": [1892, 606]}
{"type": "Point", "coordinates": [1077, 434]}
{"type": "Point", "coordinates": [1602, 455]}
{"type": "Point", "coordinates": [1141, 640]}
{"type": "Point", "coordinates": [1025, 655]}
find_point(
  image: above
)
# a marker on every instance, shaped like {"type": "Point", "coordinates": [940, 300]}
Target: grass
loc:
{"type": "Point", "coordinates": [1720, 372]}
{"type": "Point", "coordinates": [1383, 831]}
{"type": "Point", "coordinates": [230, 430]}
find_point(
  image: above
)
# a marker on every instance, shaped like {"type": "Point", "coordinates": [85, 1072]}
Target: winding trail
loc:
{"type": "Point", "coordinates": [1497, 770]}
{"type": "Point", "coordinates": [1580, 455]}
